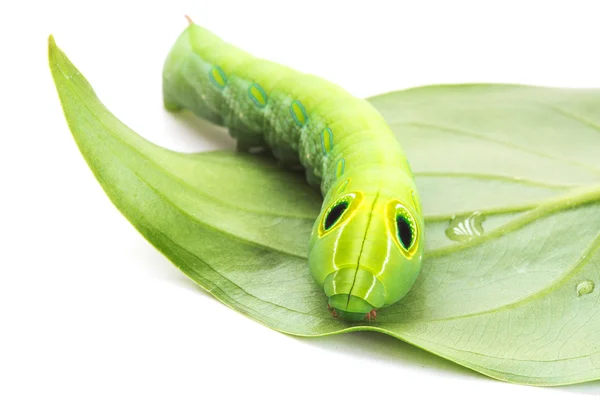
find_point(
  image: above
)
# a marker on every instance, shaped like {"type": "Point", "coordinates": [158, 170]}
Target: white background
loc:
{"type": "Point", "coordinates": [89, 310]}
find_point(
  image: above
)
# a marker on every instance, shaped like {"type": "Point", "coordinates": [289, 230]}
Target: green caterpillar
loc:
{"type": "Point", "coordinates": [367, 243]}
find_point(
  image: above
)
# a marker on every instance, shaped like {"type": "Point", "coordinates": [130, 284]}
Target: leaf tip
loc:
{"type": "Point", "coordinates": [51, 43]}
{"type": "Point", "coordinates": [51, 47]}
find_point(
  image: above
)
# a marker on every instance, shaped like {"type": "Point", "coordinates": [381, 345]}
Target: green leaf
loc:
{"type": "Point", "coordinates": [511, 173]}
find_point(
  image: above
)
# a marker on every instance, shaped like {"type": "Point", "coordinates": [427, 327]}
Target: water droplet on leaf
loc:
{"type": "Point", "coordinates": [585, 287]}
{"type": "Point", "coordinates": [466, 227]}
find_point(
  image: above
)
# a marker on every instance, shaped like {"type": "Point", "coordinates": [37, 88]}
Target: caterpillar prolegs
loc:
{"type": "Point", "coordinates": [367, 243]}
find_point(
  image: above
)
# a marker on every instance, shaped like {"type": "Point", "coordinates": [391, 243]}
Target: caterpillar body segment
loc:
{"type": "Point", "coordinates": [367, 243]}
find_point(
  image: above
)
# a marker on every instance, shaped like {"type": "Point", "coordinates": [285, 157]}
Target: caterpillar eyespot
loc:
{"type": "Point", "coordinates": [340, 212]}
{"type": "Point", "coordinates": [406, 228]}
{"type": "Point", "coordinates": [334, 214]}
{"type": "Point", "coordinates": [405, 232]}
{"type": "Point", "coordinates": [366, 244]}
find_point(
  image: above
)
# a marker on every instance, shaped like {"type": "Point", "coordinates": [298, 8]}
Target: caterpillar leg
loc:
{"type": "Point", "coordinates": [372, 315]}
{"type": "Point", "coordinates": [287, 157]}
{"type": "Point", "coordinates": [247, 141]}
{"type": "Point", "coordinates": [171, 106]}
{"type": "Point", "coordinates": [246, 147]}
{"type": "Point", "coordinates": [312, 179]}
{"type": "Point", "coordinates": [332, 310]}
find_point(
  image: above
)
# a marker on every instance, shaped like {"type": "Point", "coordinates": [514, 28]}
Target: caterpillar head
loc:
{"type": "Point", "coordinates": [366, 250]}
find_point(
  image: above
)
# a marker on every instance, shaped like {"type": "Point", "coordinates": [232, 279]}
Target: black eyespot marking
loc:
{"type": "Point", "coordinates": [405, 232]}
{"type": "Point", "coordinates": [335, 213]}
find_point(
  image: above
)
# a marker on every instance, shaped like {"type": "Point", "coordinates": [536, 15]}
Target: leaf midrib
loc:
{"type": "Point", "coordinates": [494, 177]}
{"type": "Point", "coordinates": [573, 199]}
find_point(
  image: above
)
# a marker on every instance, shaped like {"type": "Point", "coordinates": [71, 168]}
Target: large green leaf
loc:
{"type": "Point", "coordinates": [510, 173]}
